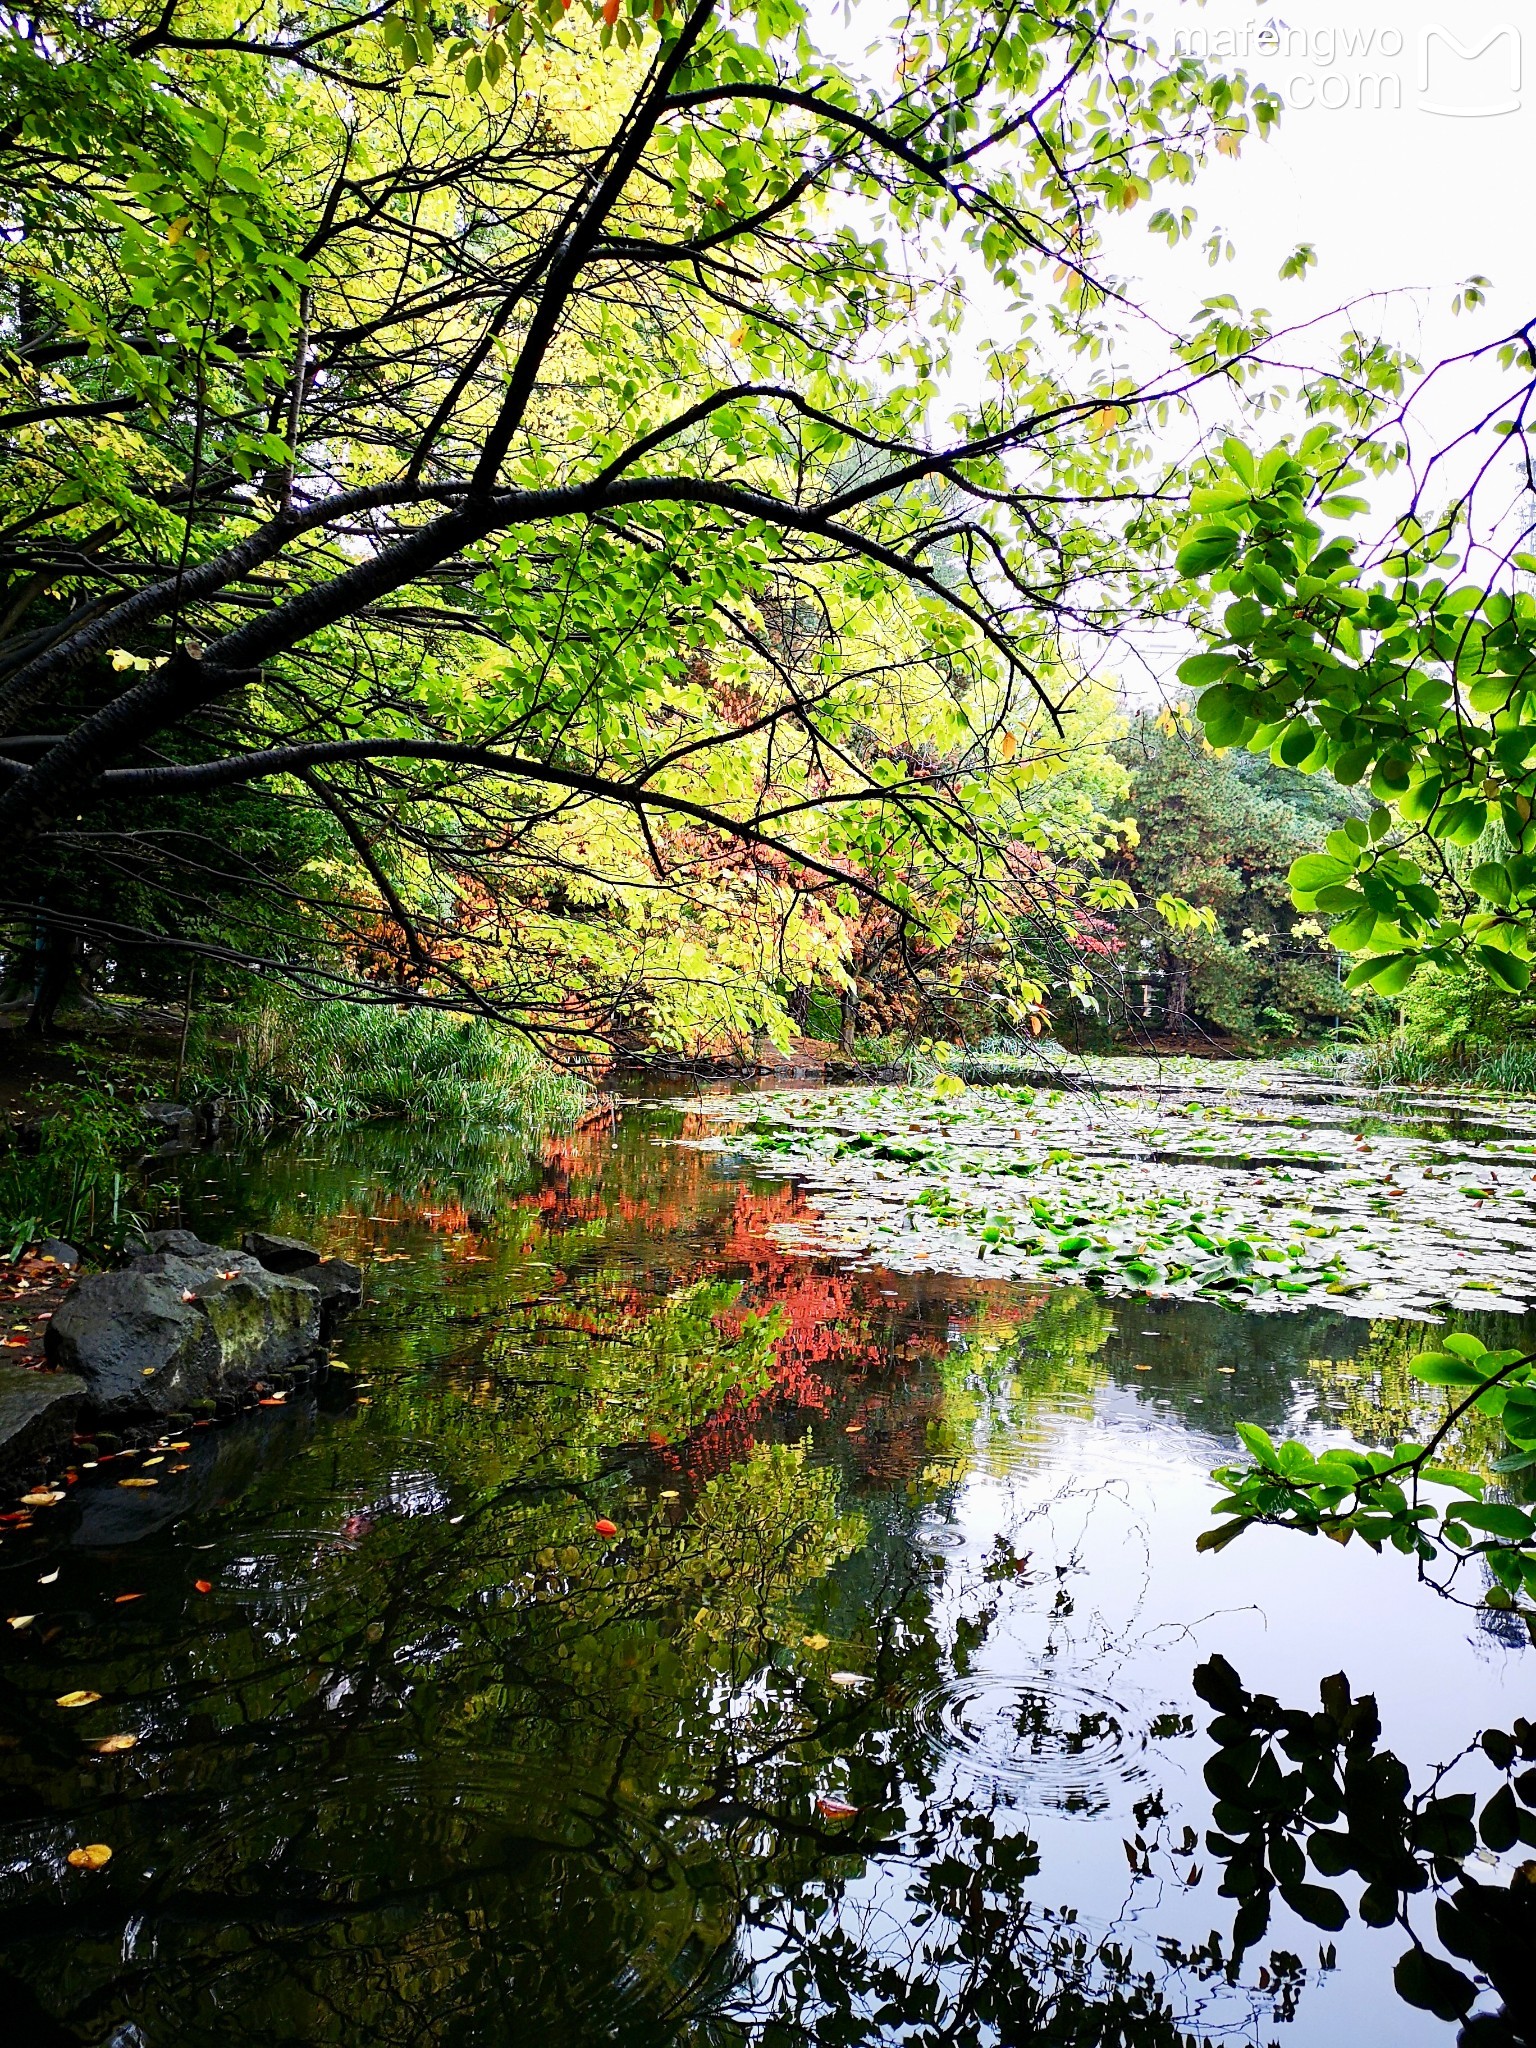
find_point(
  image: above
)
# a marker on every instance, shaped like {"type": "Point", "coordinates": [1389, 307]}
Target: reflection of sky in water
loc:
{"type": "Point", "coordinates": [1028, 1469]}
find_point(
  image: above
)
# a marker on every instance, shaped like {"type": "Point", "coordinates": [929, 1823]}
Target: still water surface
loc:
{"type": "Point", "coordinates": [872, 1720]}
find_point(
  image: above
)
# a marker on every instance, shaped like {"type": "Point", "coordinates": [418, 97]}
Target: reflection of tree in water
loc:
{"type": "Point", "coordinates": [497, 1779]}
{"type": "Point", "coordinates": [1309, 1795]}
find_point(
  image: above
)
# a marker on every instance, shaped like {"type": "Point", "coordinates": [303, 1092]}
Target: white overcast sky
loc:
{"type": "Point", "coordinates": [1390, 159]}
{"type": "Point", "coordinates": [1406, 156]}
{"type": "Point", "coordinates": [1395, 196]}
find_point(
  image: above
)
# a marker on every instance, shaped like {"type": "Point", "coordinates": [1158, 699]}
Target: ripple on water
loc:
{"type": "Point", "coordinates": [1060, 1745]}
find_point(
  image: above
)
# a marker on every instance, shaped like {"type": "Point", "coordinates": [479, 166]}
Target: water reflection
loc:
{"type": "Point", "coordinates": [872, 1719]}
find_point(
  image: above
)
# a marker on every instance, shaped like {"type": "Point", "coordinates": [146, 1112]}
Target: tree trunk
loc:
{"type": "Point", "coordinates": [57, 960]}
{"type": "Point", "coordinates": [1177, 998]}
{"type": "Point", "coordinates": [848, 1028]}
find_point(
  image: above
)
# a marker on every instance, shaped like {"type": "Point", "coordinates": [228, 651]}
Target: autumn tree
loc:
{"type": "Point", "coordinates": [554, 460]}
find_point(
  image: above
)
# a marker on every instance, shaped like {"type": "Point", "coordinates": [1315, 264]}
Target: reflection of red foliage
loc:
{"type": "Point", "coordinates": [835, 1328]}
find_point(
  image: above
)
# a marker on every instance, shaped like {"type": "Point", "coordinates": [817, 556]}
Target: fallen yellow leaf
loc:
{"type": "Point", "coordinates": [816, 1642]}
{"type": "Point", "coordinates": [77, 1699]}
{"type": "Point", "coordinates": [44, 1497]}
{"type": "Point", "coordinates": [92, 1857]}
{"type": "Point", "coordinates": [21, 1620]}
{"type": "Point", "coordinates": [109, 1745]}
{"type": "Point", "coordinates": [138, 1482]}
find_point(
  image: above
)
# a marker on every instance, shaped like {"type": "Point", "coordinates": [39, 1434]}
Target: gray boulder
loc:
{"type": "Point", "coordinates": [170, 1331]}
{"type": "Point", "coordinates": [186, 1244]}
{"type": "Point", "coordinates": [339, 1285]}
{"type": "Point", "coordinates": [37, 1415]}
{"type": "Point", "coordinates": [337, 1281]}
{"type": "Point", "coordinates": [280, 1254]}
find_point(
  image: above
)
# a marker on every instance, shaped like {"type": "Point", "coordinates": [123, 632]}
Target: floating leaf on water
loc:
{"type": "Point", "coordinates": [604, 1527]}
{"type": "Point", "coordinates": [77, 1699]}
{"type": "Point", "coordinates": [47, 1578]}
{"type": "Point", "coordinates": [852, 1681]}
{"type": "Point", "coordinates": [138, 1482]}
{"type": "Point", "coordinates": [20, 1620]}
{"type": "Point", "coordinates": [94, 1856]}
{"type": "Point", "coordinates": [816, 1642]}
{"type": "Point", "coordinates": [44, 1497]}
{"type": "Point", "coordinates": [202, 1585]}
{"type": "Point", "coordinates": [835, 1809]}
{"type": "Point", "coordinates": [111, 1745]}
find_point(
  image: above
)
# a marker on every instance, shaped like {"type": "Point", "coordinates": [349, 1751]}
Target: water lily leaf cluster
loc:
{"type": "Point", "coordinates": [1255, 1186]}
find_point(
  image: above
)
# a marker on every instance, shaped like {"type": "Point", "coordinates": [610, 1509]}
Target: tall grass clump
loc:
{"type": "Point", "coordinates": [72, 1185]}
{"type": "Point", "coordinates": [289, 1061]}
{"type": "Point", "coordinates": [1459, 1030]}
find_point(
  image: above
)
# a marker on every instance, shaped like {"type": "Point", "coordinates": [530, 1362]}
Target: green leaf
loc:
{"type": "Point", "coordinates": [1496, 1518]}
{"type": "Point", "coordinates": [1210, 548]}
{"type": "Point", "coordinates": [1259, 1444]}
{"type": "Point", "coordinates": [1314, 871]}
{"type": "Point", "coordinates": [1440, 1369]}
{"type": "Point", "coordinates": [1206, 668]}
{"type": "Point", "coordinates": [1433, 1985]}
{"type": "Point", "coordinates": [1506, 968]}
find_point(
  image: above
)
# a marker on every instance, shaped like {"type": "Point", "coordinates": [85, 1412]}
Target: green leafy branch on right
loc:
{"type": "Point", "coordinates": [1377, 1495]}
{"type": "Point", "coordinates": [1414, 676]}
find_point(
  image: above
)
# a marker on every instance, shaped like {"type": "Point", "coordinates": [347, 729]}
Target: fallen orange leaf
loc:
{"type": "Point", "coordinates": [836, 1809]}
{"type": "Point", "coordinates": [606, 1528]}
{"type": "Point", "coordinates": [123, 1597]}
{"type": "Point", "coordinates": [94, 1856]}
{"type": "Point", "coordinates": [203, 1585]}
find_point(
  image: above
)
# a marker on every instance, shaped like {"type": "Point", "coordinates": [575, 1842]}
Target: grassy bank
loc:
{"type": "Point", "coordinates": [1508, 1069]}
{"type": "Point", "coordinates": [67, 1167]}
{"type": "Point", "coordinates": [292, 1062]}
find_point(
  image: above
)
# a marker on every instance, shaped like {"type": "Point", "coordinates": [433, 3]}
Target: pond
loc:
{"type": "Point", "coordinates": [675, 1618]}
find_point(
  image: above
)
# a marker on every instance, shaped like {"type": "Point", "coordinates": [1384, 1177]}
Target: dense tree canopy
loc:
{"type": "Point", "coordinates": [556, 459]}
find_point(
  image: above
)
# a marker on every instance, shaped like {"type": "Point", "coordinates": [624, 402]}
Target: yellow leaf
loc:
{"type": "Point", "coordinates": [94, 1856]}
{"type": "Point", "coordinates": [816, 1642]}
{"type": "Point", "coordinates": [1010, 745]}
{"type": "Point", "coordinates": [138, 1482]}
{"type": "Point", "coordinates": [109, 1745]}
{"type": "Point", "coordinates": [77, 1699]}
{"type": "Point", "coordinates": [20, 1620]}
{"type": "Point", "coordinates": [44, 1497]}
